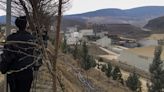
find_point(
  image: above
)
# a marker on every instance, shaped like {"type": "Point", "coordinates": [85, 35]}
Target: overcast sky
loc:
{"type": "Point", "coordinates": [80, 6]}
{"type": "Point", "coordinates": [2, 12]}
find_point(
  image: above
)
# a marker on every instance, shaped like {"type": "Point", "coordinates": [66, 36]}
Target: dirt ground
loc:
{"type": "Point", "coordinates": [75, 79]}
{"type": "Point", "coordinates": [95, 50]}
{"type": "Point", "coordinates": [1, 83]}
{"type": "Point", "coordinates": [94, 77]}
{"type": "Point", "coordinates": [113, 58]}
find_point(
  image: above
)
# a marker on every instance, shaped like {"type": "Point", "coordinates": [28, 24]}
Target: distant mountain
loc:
{"type": "Point", "coordinates": [125, 30]}
{"type": "Point", "coordinates": [2, 19]}
{"type": "Point", "coordinates": [140, 11]}
{"type": "Point", "coordinates": [72, 22]}
{"type": "Point", "coordinates": [135, 16]}
{"type": "Point", "coordinates": [156, 24]}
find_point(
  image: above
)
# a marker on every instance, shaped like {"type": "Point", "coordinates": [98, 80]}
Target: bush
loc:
{"type": "Point", "coordinates": [133, 82]}
{"type": "Point", "coordinates": [100, 60]}
{"type": "Point", "coordinates": [103, 68]}
{"type": "Point", "coordinates": [109, 70]}
{"type": "Point", "coordinates": [116, 74]}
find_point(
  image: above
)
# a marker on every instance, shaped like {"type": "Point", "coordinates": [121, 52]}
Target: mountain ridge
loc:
{"type": "Point", "coordinates": [156, 24]}
{"type": "Point", "coordinates": [138, 16]}
{"type": "Point", "coordinates": [114, 10]}
{"type": "Point", "coordinates": [2, 19]}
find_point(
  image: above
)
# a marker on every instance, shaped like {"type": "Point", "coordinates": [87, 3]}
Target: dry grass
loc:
{"type": "Point", "coordinates": [1, 82]}
{"type": "Point", "coordinates": [98, 80]}
{"type": "Point", "coordinates": [70, 81]}
{"type": "Point", "coordinates": [95, 50]}
{"type": "Point", "coordinates": [105, 84]}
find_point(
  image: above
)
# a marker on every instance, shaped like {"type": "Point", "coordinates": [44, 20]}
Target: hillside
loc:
{"type": "Point", "coordinates": [137, 16]}
{"type": "Point", "coordinates": [156, 24]}
{"type": "Point", "coordinates": [75, 79]}
{"type": "Point", "coordinates": [96, 79]}
{"type": "Point", "coordinates": [125, 30]}
{"type": "Point", "coordinates": [137, 12]}
{"type": "Point", "coordinates": [72, 22]}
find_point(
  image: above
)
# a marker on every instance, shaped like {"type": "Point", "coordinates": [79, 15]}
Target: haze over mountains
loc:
{"type": "Point", "coordinates": [2, 19]}
{"type": "Point", "coordinates": [135, 16]}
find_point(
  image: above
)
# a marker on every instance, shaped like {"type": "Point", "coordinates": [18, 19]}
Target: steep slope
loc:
{"type": "Point", "coordinates": [156, 24]}
{"type": "Point", "coordinates": [78, 80]}
{"type": "Point", "coordinates": [73, 78]}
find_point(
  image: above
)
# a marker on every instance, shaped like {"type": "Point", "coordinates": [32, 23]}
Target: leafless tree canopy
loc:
{"type": "Point", "coordinates": [40, 12]}
{"type": "Point", "coordinates": [40, 15]}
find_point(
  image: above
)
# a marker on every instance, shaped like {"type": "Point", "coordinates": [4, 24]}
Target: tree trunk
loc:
{"type": "Point", "coordinates": [58, 23]}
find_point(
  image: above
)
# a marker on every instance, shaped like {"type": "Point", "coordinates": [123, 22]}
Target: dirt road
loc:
{"type": "Point", "coordinates": [114, 56]}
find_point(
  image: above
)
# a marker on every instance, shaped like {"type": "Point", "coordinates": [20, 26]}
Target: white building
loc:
{"type": "Point", "coordinates": [67, 35]}
{"type": "Point", "coordinates": [72, 29]}
{"type": "Point", "coordinates": [73, 38]}
{"type": "Point", "coordinates": [87, 32]}
{"type": "Point", "coordinates": [101, 34]}
{"type": "Point", "coordinates": [52, 28]}
{"type": "Point", "coordinates": [76, 35]}
{"type": "Point", "coordinates": [104, 42]}
{"type": "Point", "coordinates": [72, 41]}
{"type": "Point", "coordinates": [141, 58]}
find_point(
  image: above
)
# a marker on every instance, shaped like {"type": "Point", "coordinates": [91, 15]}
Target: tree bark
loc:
{"type": "Point", "coordinates": [58, 24]}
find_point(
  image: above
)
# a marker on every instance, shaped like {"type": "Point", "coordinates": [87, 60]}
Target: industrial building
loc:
{"type": "Point", "coordinates": [104, 42]}
{"type": "Point", "coordinates": [87, 32]}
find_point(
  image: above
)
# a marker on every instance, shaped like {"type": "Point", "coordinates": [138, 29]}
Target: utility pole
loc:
{"type": "Point", "coordinates": [8, 17]}
{"type": "Point", "coordinates": [8, 24]}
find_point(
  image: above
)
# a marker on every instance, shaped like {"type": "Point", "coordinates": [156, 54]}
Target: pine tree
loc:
{"type": "Point", "coordinates": [84, 51]}
{"type": "Point", "coordinates": [64, 45]}
{"type": "Point", "coordinates": [86, 64]}
{"type": "Point", "coordinates": [69, 49]}
{"type": "Point", "coordinates": [87, 61]}
{"type": "Point", "coordinates": [109, 70]}
{"type": "Point", "coordinates": [93, 62]}
{"type": "Point", "coordinates": [98, 66]}
{"type": "Point", "coordinates": [100, 59]}
{"type": "Point", "coordinates": [157, 72]}
{"type": "Point", "coordinates": [116, 74]}
{"type": "Point", "coordinates": [103, 68]}
{"type": "Point", "coordinates": [133, 82]}
{"type": "Point", "coordinates": [75, 52]}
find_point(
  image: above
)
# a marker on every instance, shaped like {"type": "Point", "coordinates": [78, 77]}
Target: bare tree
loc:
{"type": "Point", "coordinates": [42, 13]}
{"type": "Point", "coordinates": [58, 24]}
